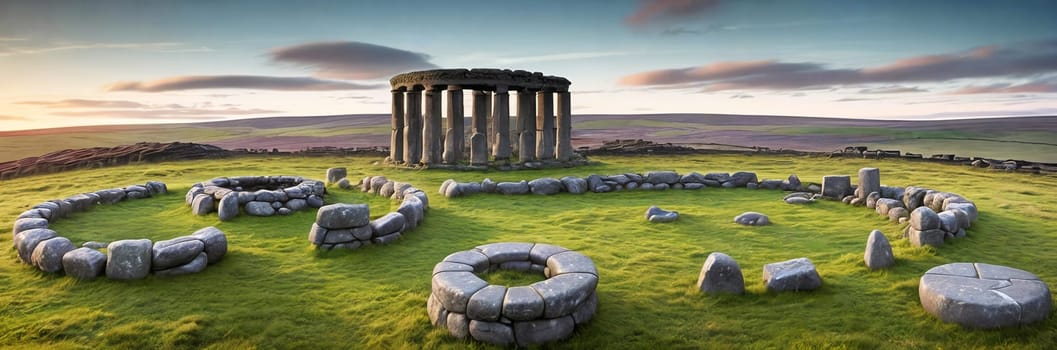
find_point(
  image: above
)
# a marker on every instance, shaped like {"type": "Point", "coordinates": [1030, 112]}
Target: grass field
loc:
{"type": "Point", "coordinates": [273, 290]}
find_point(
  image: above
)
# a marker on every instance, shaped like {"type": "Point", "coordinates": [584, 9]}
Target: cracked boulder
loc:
{"type": "Point", "coordinates": [978, 295]}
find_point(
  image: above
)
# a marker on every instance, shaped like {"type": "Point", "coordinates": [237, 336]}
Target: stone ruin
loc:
{"type": "Point", "coordinates": [349, 226]}
{"type": "Point", "coordinates": [541, 312]}
{"type": "Point", "coordinates": [542, 133]}
{"type": "Point", "coordinates": [254, 195]}
{"type": "Point", "coordinates": [128, 259]}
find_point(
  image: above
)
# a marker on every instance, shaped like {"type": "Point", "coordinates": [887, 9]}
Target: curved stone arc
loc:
{"type": "Point", "coordinates": [339, 231]}
{"type": "Point", "coordinates": [256, 195]}
{"type": "Point", "coordinates": [479, 79]}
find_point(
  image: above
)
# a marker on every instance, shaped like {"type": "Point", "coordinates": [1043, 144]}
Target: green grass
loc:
{"type": "Point", "coordinates": [273, 290]}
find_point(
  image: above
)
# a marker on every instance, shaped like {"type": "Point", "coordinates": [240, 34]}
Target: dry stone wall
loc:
{"type": "Point", "coordinates": [254, 195]}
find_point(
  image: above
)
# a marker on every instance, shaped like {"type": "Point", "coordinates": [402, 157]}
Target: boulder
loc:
{"type": "Point", "coordinates": [721, 274]}
{"type": "Point", "coordinates": [492, 332]}
{"type": "Point", "coordinates": [884, 205]}
{"type": "Point", "coordinates": [257, 208]}
{"type": "Point", "coordinates": [336, 174]}
{"type": "Point", "coordinates": [196, 265]}
{"type": "Point", "coordinates": [771, 184]}
{"type": "Point", "coordinates": [932, 237]}
{"type": "Point", "coordinates": [662, 177]}
{"type": "Point", "coordinates": [717, 178]}
{"type": "Point", "coordinates": [574, 185]}
{"type": "Point", "coordinates": [563, 293]}
{"type": "Point", "coordinates": [202, 204]}
{"type": "Point", "coordinates": [836, 186]}
{"type": "Point", "coordinates": [47, 256]}
{"type": "Point", "coordinates": [545, 186]}
{"type": "Point", "coordinates": [344, 184]}
{"type": "Point", "coordinates": [742, 178]}
{"type": "Point", "coordinates": [512, 187]}
{"type": "Point", "coordinates": [799, 200]}
{"type": "Point", "coordinates": [914, 197]}
{"type": "Point", "coordinates": [26, 242]}
{"type": "Point", "coordinates": [128, 259]}
{"type": "Point", "coordinates": [751, 218]}
{"type": "Point", "coordinates": [486, 304]}
{"type": "Point", "coordinates": [341, 215]}
{"type": "Point", "coordinates": [978, 295]}
{"type": "Point", "coordinates": [84, 263]}
{"type": "Point", "coordinates": [543, 331]}
{"type": "Point", "coordinates": [655, 214]}
{"type": "Point", "coordinates": [871, 199]}
{"type": "Point", "coordinates": [791, 184]}
{"type": "Point", "coordinates": [692, 177]}
{"type": "Point", "coordinates": [791, 275]}
{"type": "Point", "coordinates": [412, 210]}
{"type": "Point", "coordinates": [897, 213]}
{"type": "Point", "coordinates": [387, 224]}
{"type": "Point", "coordinates": [314, 201]}
{"type": "Point", "coordinates": [878, 251]}
{"type": "Point", "coordinates": [29, 224]}
{"type": "Point", "coordinates": [569, 262]}
{"type": "Point", "coordinates": [869, 181]}
{"type": "Point", "coordinates": [229, 206]}
{"type": "Point", "coordinates": [924, 218]}
{"type": "Point", "coordinates": [175, 252]}
{"type": "Point", "coordinates": [156, 187]}
{"type": "Point", "coordinates": [454, 289]}
{"type": "Point", "coordinates": [215, 243]}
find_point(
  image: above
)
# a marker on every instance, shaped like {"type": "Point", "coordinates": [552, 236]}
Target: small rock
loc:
{"type": "Point", "coordinates": [751, 218]}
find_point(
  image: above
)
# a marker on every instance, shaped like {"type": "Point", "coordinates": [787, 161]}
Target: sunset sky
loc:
{"type": "Point", "coordinates": [105, 62]}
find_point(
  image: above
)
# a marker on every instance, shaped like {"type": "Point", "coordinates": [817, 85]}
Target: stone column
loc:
{"type": "Point", "coordinates": [869, 181]}
{"type": "Point", "coordinates": [454, 128]}
{"type": "Point", "coordinates": [432, 138]}
{"type": "Point", "coordinates": [478, 140]}
{"type": "Point", "coordinates": [526, 118]}
{"type": "Point", "coordinates": [396, 139]}
{"type": "Point", "coordinates": [501, 116]}
{"type": "Point", "coordinates": [565, 126]}
{"type": "Point", "coordinates": [545, 125]}
{"type": "Point", "coordinates": [413, 128]}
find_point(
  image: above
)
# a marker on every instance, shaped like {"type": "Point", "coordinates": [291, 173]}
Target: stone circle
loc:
{"type": "Point", "coordinates": [978, 295]}
{"type": "Point", "coordinates": [255, 195]}
{"type": "Point", "coordinates": [349, 226]}
{"type": "Point", "coordinates": [542, 312]}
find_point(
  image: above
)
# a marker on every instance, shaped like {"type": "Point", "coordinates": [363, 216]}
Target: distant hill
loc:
{"type": "Point", "coordinates": [1032, 138]}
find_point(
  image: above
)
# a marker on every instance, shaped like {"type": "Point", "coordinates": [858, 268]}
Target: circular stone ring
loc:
{"type": "Point", "coordinates": [542, 312]}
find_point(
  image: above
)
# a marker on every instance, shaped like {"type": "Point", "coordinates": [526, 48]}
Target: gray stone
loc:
{"type": "Point", "coordinates": [47, 255]}
{"type": "Point", "coordinates": [968, 208]}
{"type": "Point", "coordinates": [692, 177]}
{"type": "Point", "coordinates": [474, 258]}
{"type": "Point", "coordinates": [128, 259]}
{"type": "Point", "coordinates": [574, 185]}
{"type": "Point", "coordinates": [836, 186]}
{"type": "Point", "coordinates": [336, 236]}
{"type": "Point", "coordinates": [84, 263]}
{"type": "Point", "coordinates": [387, 224]}
{"type": "Point", "coordinates": [884, 205]}
{"type": "Point", "coordinates": [454, 289]}
{"type": "Point", "coordinates": [792, 183]}
{"type": "Point", "coordinates": [413, 212]}
{"type": "Point", "coordinates": [295, 193]}
{"type": "Point", "coordinates": [256, 208]}
{"type": "Point", "coordinates": [799, 200]}
{"type": "Point", "coordinates": [458, 324]}
{"type": "Point", "coordinates": [175, 252]}
{"type": "Point", "coordinates": [344, 184]}
{"type": "Point", "coordinates": [317, 235]}
{"type": "Point", "coordinates": [689, 186]}
{"type": "Point", "coordinates": [897, 213]}
{"type": "Point", "coordinates": [717, 178]}
{"type": "Point", "coordinates": [987, 296]}
{"type": "Point", "coordinates": [596, 184]}
{"type": "Point", "coordinates": [246, 197]}
{"type": "Point", "coordinates": [314, 201]}
{"type": "Point", "coordinates": [95, 244]}
{"type": "Point", "coordinates": [110, 196]}
{"type": "Point", "coordinates": [499, 253]}
{"type": "Point", "coordinates": [229, 207]}
{"type": "Point", "coordinates": [892, 192]}
{"type": "Point", "coordinates": [376, 184]}
{"type": "Point", "coordinates": [438, 316]}
{"type": "Point", "coordinates": [543, 331]}
{"type": "Point", "coordinates": [563, 293]}
{"type": "Point", "coordinates": [655, 214]}
{"type": "Point", "coordinates": [914, 197]}
{"type": "Point", "coordinates": [721, 274]}
{"type": "Point", "coordinates": [869, 181]}
{"type": "Point", "coordinates": [276, 205]}
{"type": "Point", "coordinates": [284, 211]}
{"type": "Point", "coordinates": [540, 253]}
{"type": "Point", "coordinates": [545, 186]}
{"type": "Point", "coordinates": [478, 149]}
{"type": "Point", "coordinates": [386, 239]}
{"type": "Point", "coordinates": [662, 177]}
{"type": "Point", "coordinates": [336, 174]}
{"type": "Point", "coordinates": [492, 332]}
{"type": "Point", "coordinates": [216, 243]}
{"type": "Point", "coordinates": [878, 251]}
{"type": "Point", "coordinates": [156, 187]}
{"type": "Point", "coordinates": [296, 204]}
{"type": "Point", "coordinates": [798, 194]}
{"type": "Point", "coordinates": [948, 221]}
{"type": "Point", "coordinates": [28, 224]}
{"type": "Point", "coordinates": [451, 266]}
{"type": "Point", "coordinates": [202, 204]}
{"type": "Point", "coordinates": [486, 304]}
{"type": "Point", "coordinates": [751, 218]}
{"type": "Point", "coordinates": [586, 311]}
{"type": "Point", "coordinates": [26, 241]}
{"type": "Point", "coordinates": [522, 304]}
{"type": "Point", "coordinates": [932, 237]}
{"type": "Point", "coordinates": [341, 215]}
{"type": "Point", "coordinates": [196, 265]}
{"type": "Point", "coordinates": [924, 218]}
{"type": "Point", "coordinates": [387, 189]}
{"type": "Point", "coordinates": [444, 186]}
{"type": "Point", "coordinates": [771, 184]}
{"type": "Point", "coordinates": [791, 275]}
{"type": "Point", "coordinates": [38, 213]}
{"type": "Point", "coordinates": [512, 187]}
{"type": "Point", "coordinates": [570, 262]}
{"type": "Point", "coordinates": [742, 178]}
{"type": "Point", "coordinates": [871, 199]}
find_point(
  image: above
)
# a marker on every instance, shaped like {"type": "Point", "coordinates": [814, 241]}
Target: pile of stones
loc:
{"type": "Point", "coordinates": [721, 274]}
{"type": "Point", "coordinates": [542, 312]}
{"type": "Point", "coordinates": [653, 180]}
{"type": "Point", "coordinates": [349, 226]}
{"type": "Point", "coordinates": [256, 195]}
{"type": "Point", "coordinates": [43, 248]}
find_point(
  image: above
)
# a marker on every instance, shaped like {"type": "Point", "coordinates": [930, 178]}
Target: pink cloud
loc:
{"type": "Point", "coordinates": [194, 82]}
{"type": "Point", "coordinates": [1033, 87]}
{"type": "Point", "coordinates": [662, 10]}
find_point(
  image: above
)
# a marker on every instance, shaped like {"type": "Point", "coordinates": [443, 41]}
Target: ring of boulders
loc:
{"type": "Point", "coordinates": [349, 226]}
{"type": "Point", "coordinates": [128, 259]}
{"type": "Point", "coordinates": [254, 195]}
{"type": "Point", "coordinates": [541, 312]}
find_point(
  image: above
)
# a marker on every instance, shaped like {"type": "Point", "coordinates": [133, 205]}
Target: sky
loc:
{"type": "Point", "coordinates": [66, 63]}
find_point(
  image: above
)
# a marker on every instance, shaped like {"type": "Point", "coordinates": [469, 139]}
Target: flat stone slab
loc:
{"type": "Point", "coordinates": [978, 295]}
{"type": "Point", "coordinates": [791, 275]}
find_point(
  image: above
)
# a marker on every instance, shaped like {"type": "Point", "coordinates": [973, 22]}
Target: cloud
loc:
{"type": "Point", "coordinates": [666, 10]}
{"type": "Point", "coordinates": [149, 46]}
{"type": "Point", "coordinates": [984, 62]}
{"type": "Point", "coordinates": [352, 60]}
{"type": "Point", "coordinates": [1032, 87]}
{"type": "Point", "coordinates": [12, 117]}
{"type": "Point", "coordinates": [742, 96]}
{"type": "Point", "coordinates": [8, 38]}
{"type": "Point", "coordinates": [195, 82]}
{"type": "Point", "coordinates": [853, 99]}
{"type": "Point", "coordinates": [166, 113]}
{"type": "Point", "coordinates": [81, 103]}
{"type": "Point", "coordinates": [567, 56]}
{"type": "Point", "coordinates": [892, 89]}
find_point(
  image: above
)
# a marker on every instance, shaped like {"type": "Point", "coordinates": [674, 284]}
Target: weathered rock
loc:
{"type": "Point", "coordinates": [522, 304]}
{"type": "Point", "coordinates": [196, 265]}
{"type": "Point", "coordinates": [932, 237]}
{"type": "Point", "coordinates": [229, 206]}
{"type": "Point", "coordinates": [543, 331]}
{"type": "Point", "coordinates": [386, 239]}
{"type": "Point", "coordinates": [948, 221]}
{"type": "Point", "coordinates": [486, 304]}
{"type": "Point", "coordinates": [721, 274]}
{"type": "Point", "coordinates": [47, 255]}
{"type": "Point", "coordinates": [587, 310]}
{"type": "Point", "coordinates": [413, 212]}
{"type": "Point", "coordinates": [692, 177]}
{"type": "Point", "coordinates": [771, 184]}
{"type": "Point", "coordinates": [791, 184]}
{"type": "Point", "coordinates": [454, 289]}
{"type": "Point", "coordinates": [897, 213]}
{"type": "Point", "coordinates": [84, 263]}
{"type": "Point", "coordinates": [156, 187]}
{"type": "Point", "coordinates": [376, 184]}
{"type": "Point", "coordinates": [344, 184]}
{"type": "Point", "coordinates": [336, 174]}
{"type": "Point", "coordinates": [387, 224]}
{"type": "Point", "coordinates": [662, 177]}
{"type": "Point", "coordinates": [878, 251]}
{"type": "Point", "coordinates": [924, 218]}
{"type": "Point", "coordinates": [871, 199]}
{"type": "Point", "coordinates": [438, 316]}
{"type": "Point", "coordinates": [502, 252]}
{"type": "Point", "coordinates": [656, 214]}
{"type": "Point", "coordinates": [884, 205]}
{"type": "Point", "coordinates": [791, 275]}
{"type": "Point", "coordinates": [492, 332]}
{"type": "Point", "coordinates": [95, 244]}
{"type": "Point", "coordinates": [110, 196]}
{"type": "Point", "coordinates": [574, 185]}
{"type": "Point", "coordinates": [388, 189]}
{"type": "Point", "coordinates": [216, 243]}
{"type": "Point", "coordinates": [314, 201]}
{"type": "Point", "coordinates": [175, 252]}
{"type": "Point", "coordinates": [28, 224]}
{"type": "Point", "coordinates": [984, 296]}
{"type": "Point", "coordinates": [836, 186]}
{"type": "Point", "coordinates": [26, 241]}
{"type": "Point", "coordinates": [869, 181]}
{"type": "Point", "coordinates": [799, 200]}
{"type": "Point", "coordinates": [545, 186]}
{"type": "Point", "coordinates": [570, 262]}
{"type": "Point", "coordinates": [717, 178]}
{"type": "Point", "coordinates": [341, 215]}
{"type": "Point", "coordinates": [202, 204]}
{"type": "Point", "coordinates": [458, 324]}
{"type": "Point", "coordinates": [565, 292]}
{"type": "Point", "coordinates": [512, 187]}
{"type": "Point", "coordinates": [256, 208]}
{"type": "Point", "coordinates": [444, 186]}
{"type": "Point", "coordinates": [914, 197]}
{"type": "Point", "coordinates": [128, 259]}
{"type": "Point", "coordinates": [742, 178]}
{"type": "Point", "coordinates": [751, 218]}
{"type": "Point", "coordinates": [474, 258]}
{"type": "Point", "coordinates": [968, 208]}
